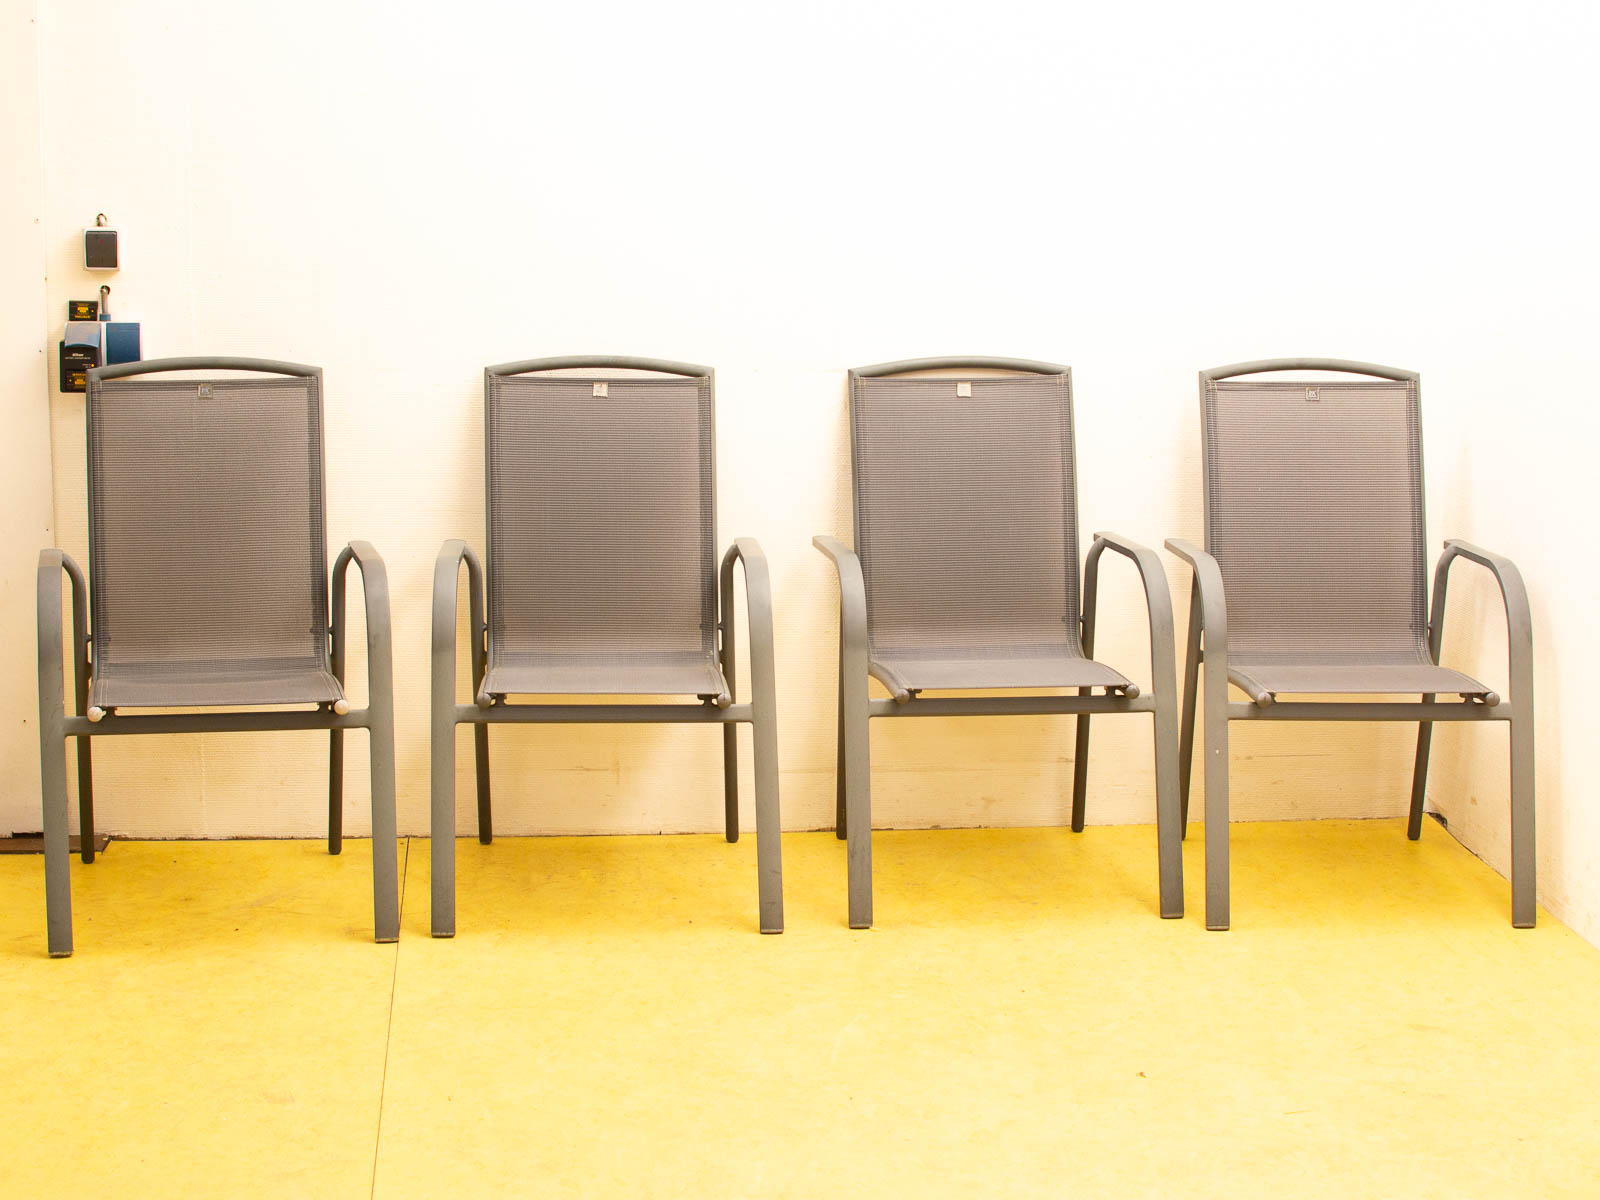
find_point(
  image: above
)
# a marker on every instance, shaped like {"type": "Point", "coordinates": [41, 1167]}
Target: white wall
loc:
{"type": "Point", "coordinates": [25, 514]}
{"type": "Point", "coordinates": [404, 193]}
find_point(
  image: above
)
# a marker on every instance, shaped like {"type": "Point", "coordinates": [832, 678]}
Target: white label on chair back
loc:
{"type": "Point", "coordinates": [204, 391]}
{"type": "Point", "coordinates": [600, 389]}
{"type": "Point", "coordinates": [963, 389]}
{"type": "Point", "coordinates": [1313, 395]}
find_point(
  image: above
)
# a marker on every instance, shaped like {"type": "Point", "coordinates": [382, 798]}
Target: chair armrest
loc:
{"type": "Point", "coordinates": [380, 656]}
{"type": "Point", "coordinates": [758, 611]}
{"type": "Point", "coordinates": [1213, 600]}
{"type": "Point", "coordinates": [446, 580]}
{"type": "Point", "coordinates": [1158, 603]}
{"type": "Point", "coordinates": [52, 563]}
{"type": "Point", "coordinates": [1519, 617]}
{"type": "Point", "coordinates": [852, 604]}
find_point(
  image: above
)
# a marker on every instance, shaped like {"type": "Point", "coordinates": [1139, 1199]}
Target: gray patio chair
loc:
{"type": "Point", "coordinates": [208, 564]}
{"type": "Point", "coordinates": [1312, 582]}
{"type": "Point", "coordinates": [965, 577]}
{"type": "Point", "coordinates": [602, 580]}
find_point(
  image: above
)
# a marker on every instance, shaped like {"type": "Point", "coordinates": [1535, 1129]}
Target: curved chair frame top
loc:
{"type": "Point", "coordinates": [977, 362]}
{"type": "Point", "coordinates": [663, 366]}
{"type": "Point", "coordinates": [1345, 365]}
{"type": "Point", "coordinates": [151, 366]}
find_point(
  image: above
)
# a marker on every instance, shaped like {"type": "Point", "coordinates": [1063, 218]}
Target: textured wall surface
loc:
{"type": "Point", "coordinates": [405, 193]}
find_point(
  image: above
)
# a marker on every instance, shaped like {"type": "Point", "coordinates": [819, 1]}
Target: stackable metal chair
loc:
{"type": "Point", "coordinates": [965, 576]}
{"type": "Point", "coordinates": [1312, 581]}
{"type": "Point", "coordinates": [602, 580]}
{"type": "Point", "coordinates": [208, 588]}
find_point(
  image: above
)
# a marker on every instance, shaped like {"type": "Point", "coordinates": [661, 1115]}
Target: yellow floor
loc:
{"type": "Point", "coordinates": [608, 1023]}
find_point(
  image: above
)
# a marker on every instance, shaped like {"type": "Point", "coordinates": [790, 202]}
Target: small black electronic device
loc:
{"type": "Point", "coordinates": [100, 246]}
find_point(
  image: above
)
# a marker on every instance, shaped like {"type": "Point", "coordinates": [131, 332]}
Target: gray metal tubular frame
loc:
{"type": "Point", "coordinates": [760, 712]}
{"type": "Point", "coordinates": [56, 724]}
{"type": "Point", "coordinates": [1206, 652]}
{"type": "Point", "coordinates": [853, 809]}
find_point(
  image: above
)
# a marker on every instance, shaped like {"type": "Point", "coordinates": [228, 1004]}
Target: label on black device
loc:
{"type": "Point", "coordinates": [76, 361]}
{"type": "Point", "coordinates": [83, 310]}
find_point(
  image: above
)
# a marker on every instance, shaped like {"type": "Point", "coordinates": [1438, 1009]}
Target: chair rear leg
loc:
{"type": "Point", "coordinates": [1080, 767]}
{"type": "Point", "coordinates": [85, 800]}
{"type": "Point", "coordinates": [1524, 862]}
{"type": "Point", "coordinates": [480, 751]}
{"type": "Point", "coordinates": [335, 790]}
{"type": "Point", "coordinates": [730, 782]}
{"type": "Point", "coordinates": [1191, 686]}
{"type": "Point", "coordinates": [1419, 776]}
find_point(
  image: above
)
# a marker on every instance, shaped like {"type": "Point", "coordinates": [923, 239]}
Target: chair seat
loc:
{"type": "Point", "coordinates": [992, 667]}
{"type": "Point", "coordinates": [669, 673]}
{"type": "Point", "coordinates": [211, 684]}
{"type": "Point", "coordinates": [1377, 673]}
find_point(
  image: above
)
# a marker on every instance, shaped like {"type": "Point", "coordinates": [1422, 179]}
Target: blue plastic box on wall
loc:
{"type": "Point", "coordinates": [121, 341]}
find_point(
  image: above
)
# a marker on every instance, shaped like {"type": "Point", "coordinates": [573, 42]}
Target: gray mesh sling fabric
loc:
{"type": "Point", "coordinates": [207, 542]}
{"type": "Point", "coordinates": [1314, 512]}
{"type": "Point", "coordinates": [601, 513]}
{"type": "Point", "coordinates": [966, 528]}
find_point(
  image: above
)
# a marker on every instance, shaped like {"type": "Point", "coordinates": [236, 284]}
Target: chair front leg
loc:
{"type": "Point", "coordinates": [442, 724]}
{"type": "Point", "coordinates": [1208, 597]}
{"type": "Point", "coordinates": [854, 755]}
{"type": "Point", "coordinates": [763, 722]}
{"type": "Point", "coordinates": [53, 747]}
{"type": "Point", "coordinates": [380, 731]}
{"type": "Point", "coordinates": [1519, 655]}
{"type": "Point", "coordinates": [1163, 687]}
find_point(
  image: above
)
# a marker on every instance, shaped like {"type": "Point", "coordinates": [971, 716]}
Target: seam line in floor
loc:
{"type": "Point", "coordinates": [388, 1030]}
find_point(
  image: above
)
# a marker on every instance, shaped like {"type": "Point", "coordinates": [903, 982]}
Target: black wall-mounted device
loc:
{"type": "Point", "coordinates": [100, 246]}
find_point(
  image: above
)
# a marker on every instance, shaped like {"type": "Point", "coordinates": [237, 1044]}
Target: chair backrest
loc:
{"type": "Point", "coordinates": [966, 502]}
{"type": "Point", "coordinates": [601, 506]}
{"type": "Point", "coordinates": [207, 527]}
{"type": "Point", "coordinates": [1314, 506]}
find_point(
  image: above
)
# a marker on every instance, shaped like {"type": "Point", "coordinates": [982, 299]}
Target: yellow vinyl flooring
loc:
{"type": "Point", "coordinates": [609, 1023]}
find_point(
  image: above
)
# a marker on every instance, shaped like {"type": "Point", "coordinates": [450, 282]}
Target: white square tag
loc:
{"type": "Point", "coordinates": [964, 389]}
{"type": "Point", "coordinates": [600, 389]}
